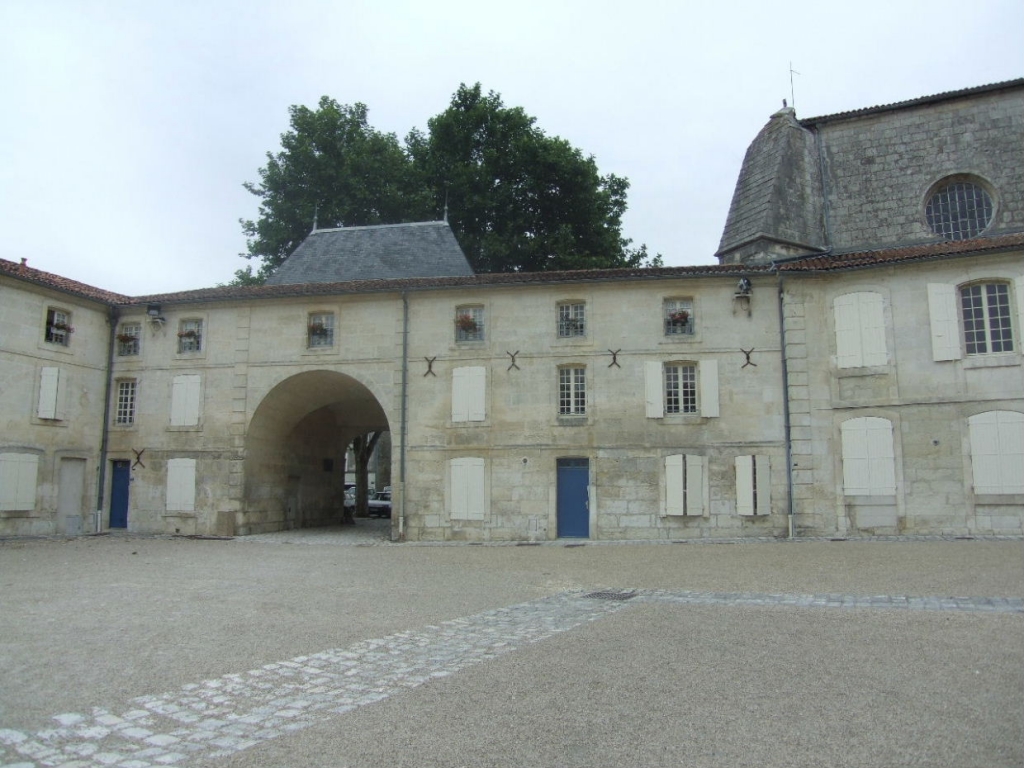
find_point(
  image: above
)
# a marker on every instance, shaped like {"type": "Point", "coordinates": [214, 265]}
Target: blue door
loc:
{"type": "Point", "coordinates": [573, 498]}
{"type": "Point", "coordinates": [119, 494]}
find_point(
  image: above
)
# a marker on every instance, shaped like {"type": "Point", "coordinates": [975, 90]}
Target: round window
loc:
{"type": "Point", "coordinates": [959, 210]}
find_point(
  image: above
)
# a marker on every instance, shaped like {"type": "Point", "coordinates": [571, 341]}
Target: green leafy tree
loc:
{"type": "Point", "coordinates": [517, 199]}
{"type": "Point", "coordinates": [333, 168]}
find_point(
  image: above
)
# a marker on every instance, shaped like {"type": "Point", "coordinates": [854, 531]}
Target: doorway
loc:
{"type": "Point", "coordinates": [119, 482]}
{"type": "Point", "coordinates": [573, 502]}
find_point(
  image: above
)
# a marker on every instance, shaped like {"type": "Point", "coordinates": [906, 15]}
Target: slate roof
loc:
{"type": "Point", "coordinates": [389, 251]}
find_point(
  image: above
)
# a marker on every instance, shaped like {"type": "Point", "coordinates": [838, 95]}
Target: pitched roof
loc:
{"type": "Point", "coordinates": [863, 259]}
{"type": "Point", "coordinates": [921, 101]}
{"type": "Point", "coordinates": [390, 251]}
{"type": "Point", "coordinates": [63, 284]}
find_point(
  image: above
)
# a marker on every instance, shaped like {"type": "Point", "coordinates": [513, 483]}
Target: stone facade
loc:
{"type": "Point", "coordinates": [811, 384]}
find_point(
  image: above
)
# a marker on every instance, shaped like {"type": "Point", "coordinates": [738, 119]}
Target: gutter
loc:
{"type": "Point", "coordinates": [787, 426]}
{"type": "Point", "coordinates": [113, 314]}
{"type": "Point", "coordinates": [404, 429]}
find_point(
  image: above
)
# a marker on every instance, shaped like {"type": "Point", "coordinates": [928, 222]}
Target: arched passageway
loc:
{"type": "Point", "coordinates": [295, 449]}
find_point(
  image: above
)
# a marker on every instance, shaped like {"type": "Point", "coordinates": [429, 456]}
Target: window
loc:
{"type": "Point", "coordinates": [185, 391]}
{"type": "Point", "coordinates": [125, 412]}
{"type": "Point", "coordinates": [869, 464]}
{"type": "Point", "coordinates": [320, 330]}
{"type": "Point", "coordinates": [128, 339]}
{"type": "Point", "coordinates": [997, 451]}
{"type": "Point", "coordinates": [51, 394]}
{"type": "Point", "coordinates": [981, 324]}
{"type": "Point", "coordinates": [986, 317]}
{"type": "Point", "coordinates": [469, 324]}
{"type": "Point", "coordinates": [467, 497]}
{"type": "Point", "coordinates": [190, 336]}
{"type": "Point", "coordinates": [753, 485]}
{"type": "Point", "coordinates": [58, 327]}
{"type": "Point", "coordinates": [572, 391]}
{"type": "Point", "coordinates": [679, 388]}
{"type": "Point", "coordinates": [572, 320]}
{"type": "Point", "coordinates": [860, 330]}
{"type": "Point", "coordinates": [686, 485]}
{"type": "Point", "coordinates": [678, 317]}
{"type": "Point", "coordinates": [181, 485]}
{"type": "Point", "coordinates": [959, 210]}
{"type": "Point", "coordinates": [18, 473]}
{"type": "Point", "coordinates": [469, 390]}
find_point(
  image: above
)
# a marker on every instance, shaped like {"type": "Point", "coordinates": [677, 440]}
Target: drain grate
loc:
{"type": "Point", "coordinates": [611, 595]}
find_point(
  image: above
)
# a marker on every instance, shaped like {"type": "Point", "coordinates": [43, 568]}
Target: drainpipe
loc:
{"type": "Point", "coordinates": [113, 316]}
{"type": "Point", "coordinates": [785, 405]}
{"type": "Point", "coordinates": [405, 405]}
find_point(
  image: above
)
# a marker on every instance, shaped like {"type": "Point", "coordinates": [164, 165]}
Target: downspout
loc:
{"type": "Point", "coordinates": [113, 316]}
{"type": "Point", "coordinates": [787, 427]}
{"type": "Point", "coordinates": [405, 405]}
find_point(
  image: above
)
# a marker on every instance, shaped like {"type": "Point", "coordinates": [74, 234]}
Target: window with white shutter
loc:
{"type": "Point", "coordinates": [467, 494]}
{"type": "Point", "coordinates": [469, 390]}
{"type": "Point", "coordinates": [942, 316]}
{"type": "Point", "coordinates": [18, 474]}
{"type": "Point", "coordinates": [753, 485]}
{"type": "Point", "coordinates": [869, 460]}
{"type": "Point", "coordinates": [185, 392]}
{"type": "Point", "coordinates": [860, 330]}
{"type": "Point", "coordinates": [51, 393]}
{"type": "Point", "coordinates": [686, 485]}
{"type": "Point", "coordinates": [181, 485]}
{"type": "Point", "coordinates": [680, 388]}
{"type": "Point", "coordinates": [997, 451]}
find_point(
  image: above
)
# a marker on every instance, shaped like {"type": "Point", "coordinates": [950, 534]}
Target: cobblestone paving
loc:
{"type": "Point", "coordinates": [215, 718]}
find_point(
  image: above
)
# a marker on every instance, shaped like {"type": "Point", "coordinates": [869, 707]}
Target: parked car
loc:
{"type": "Point", "coordinates": [350, 498]}
{"type": "Point", "coordinates": [380, 504]}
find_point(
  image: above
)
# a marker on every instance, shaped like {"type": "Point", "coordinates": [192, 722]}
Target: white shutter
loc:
{"type": "Point", "coordinates": [997, 451]}
{"type": "Point", "coordinates": [869, 464]}
{"type": "Point", "coordinates": [467, 488]}
{"type": "Point", "coordinates": [708, 372]}
{"type": "Point", "coordinates": [848, 332]}
{"type": "Point", "coordinates": [696, 485]}
{"type": "Point", "coordinates": [944, 322]}
{"type": "Point", "coordinates": [654, 389]}
{"type": "Point", "coordinates": [872, 328]}
{"type": "Point", "coordinates": [181, 485]}
{"type": "Point", "coordinates": [745, 485]}
{"type": "Point", "coordinates": [18, 475]}
{"type": "Point", "coordinates": [469, 388]}
{"type": "Point", "coordinates": [675, 503]}
{"type": "Point", "coordinates": [1019, 289]}
{"type": "Point", "coordinates": [185, 391]}
{"type": "Point", "coordinates": [49, 393]}
{"type": "Point", "coordinates": [763, 475]}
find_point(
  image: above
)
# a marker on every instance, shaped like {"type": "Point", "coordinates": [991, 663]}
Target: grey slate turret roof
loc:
{"type": "Point", "coordinates": [384, 252]}
{"type": "Point", "coordinates": [777, 203]}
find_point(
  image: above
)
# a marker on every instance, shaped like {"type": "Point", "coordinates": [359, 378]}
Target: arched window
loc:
{"type": "Point", "coordinates": [997, 451]}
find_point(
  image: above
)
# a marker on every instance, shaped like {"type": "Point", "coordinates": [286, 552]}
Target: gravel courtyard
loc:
{"type": "Point", "coordinates": [334, 648]}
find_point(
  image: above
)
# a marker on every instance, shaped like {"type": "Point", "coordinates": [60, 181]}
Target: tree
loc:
{"type": "Point", "coordinates": [334, 168]}
{"type": "Point", "coordinates": [362, 447]}
{"type": "Point", "coordinates": [517, 199]}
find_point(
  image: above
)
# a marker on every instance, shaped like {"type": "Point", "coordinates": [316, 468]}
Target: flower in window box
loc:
{"type": "Point", "coordinates": [466, 323]}
{"type": "Point", "coordinates": [126, 338]}
{"type": "Point", "coordinates": [679, 317]}
{"type": "Point", "coordinates": [189, 334]}
{"type": "Point", "coordinates": [58, 326]}
{"type": "Point", "coordinates": [318, 329]}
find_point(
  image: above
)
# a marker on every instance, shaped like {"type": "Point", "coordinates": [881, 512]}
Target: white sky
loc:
{"type": "Point", "coordinates": [127, 128]}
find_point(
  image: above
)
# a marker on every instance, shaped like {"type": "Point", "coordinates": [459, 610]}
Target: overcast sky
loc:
{"type": "Point", "coordinates": [128, 128]}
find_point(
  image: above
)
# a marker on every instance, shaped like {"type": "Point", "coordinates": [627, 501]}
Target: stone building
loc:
{"type": "Point", "coordinates": [851, 365]}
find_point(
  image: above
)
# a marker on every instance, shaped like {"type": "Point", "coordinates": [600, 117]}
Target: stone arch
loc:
{"type": "Point", "coordinates": [295, 449]}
